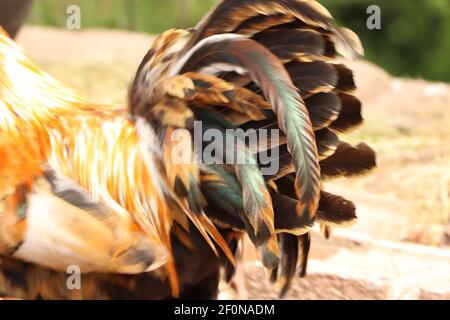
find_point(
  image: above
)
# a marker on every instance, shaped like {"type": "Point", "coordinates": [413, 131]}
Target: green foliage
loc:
{"type": "Point", "coordinates": [414, 39]}
{"type": "Point", "coordinates": [141, 15]}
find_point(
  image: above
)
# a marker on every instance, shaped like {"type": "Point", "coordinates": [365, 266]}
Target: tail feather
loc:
{"type": "Point", "coordinates": [327, 142]}
{"type": "Point", "coordinates": [350, 116]}
{"type": "Point", "coordinates": [288, 45]}
{"type": "Point", "coordinates": [245, 190]}
{"type": "Point", "coordinates": [324, 109]}
{"type": "Point", "coordinates": [349, 161]}
{"type": "Point", "coordinates": [335, 210]}
{"type": "Point", "coordinates": [289, 245]}
{"type": "Point", "coordinates": [311, 103]}
{"type": "Point", "coordinates": [313, 77]}
{"type": "Point", "coordinates": [287, 219]}
{"type": "Point", "coordinates": [293, 118]}
{"type": "Point", "coordinates": [305, 245]}
{"type": "Point", "coordinates": [229, 15]}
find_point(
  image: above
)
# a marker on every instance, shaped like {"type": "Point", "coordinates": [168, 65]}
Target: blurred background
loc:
{"type": "Point", "coordinates": [418, 36]}
{"type": "Point", "coordinates": [403, 231]}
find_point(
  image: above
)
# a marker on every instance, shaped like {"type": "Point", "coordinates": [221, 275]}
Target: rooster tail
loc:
{"type": "Point", "coordinates": [252, 16]}
{"type": "Point", "coordinates": [231, 52]}
{"type": "Point", "coordinates": [262, 64]}
{"type": "Point", "coordinates": [283, 51]}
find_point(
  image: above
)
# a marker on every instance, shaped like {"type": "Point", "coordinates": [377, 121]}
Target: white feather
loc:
{"type": "Point", "coordinates": [176, 69]}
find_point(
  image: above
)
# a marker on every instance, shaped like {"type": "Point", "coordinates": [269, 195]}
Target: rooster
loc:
{"type": "Point", "coordinates": [99, 188]}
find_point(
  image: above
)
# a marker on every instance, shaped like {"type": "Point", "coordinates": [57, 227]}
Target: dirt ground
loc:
{"type": "Point", "coordinates": [407, 122]}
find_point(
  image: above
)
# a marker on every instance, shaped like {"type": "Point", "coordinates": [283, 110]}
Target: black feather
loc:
{"type": "Point", "coordinates": [324, 108]}
{"type": "Point", "coordinates": [288, 261]}
{"type": "Point", "coordinates": [293, 118]}
{"type": "Point", "coordinates": [289, 44]}
{"type": "Point", "coordinates": [346, 82]}
{"type": "Point", "coordinates": [305, 246]}
{"type": "Point", "coordinates": [348, 161]}
{"type": "Point", "coordinates": [350, 116]}
{"type": "Point", "coordinates": [230, 15]}
{"type": "Point", "coordinates": [327, 142]}
{"type": "Point", "coordinates": [313, 77]}
{"type": "Point", "coordinates": [335, 210]}
{"type": "Point", "coordinates": [286, 217]}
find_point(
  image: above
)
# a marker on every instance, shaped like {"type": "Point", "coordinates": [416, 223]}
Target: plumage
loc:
{"type": "Point", "coordinates": [327, 142]}
{"type": "Point", "coordinates": [268, 72]}
{"type": "Point", "coordinates": [348, 161]}
{"type": "Point", "coordinates": [230, 14]}
{"type": "Point", "coordinates": [335, 210]}
{"type": "Point", "coordinates": [313, 77]}
{"type": "Point", "coordinates": [305, 247]}
{"type": "Point", "coordinates": [257, 23]}
{"type": "Point", "coordinates": [324, 109]}
{"type": "Point", "coordinates": [287, 218]}
{"type": "Point", "coordinates": [213, 91]}
{"type": "Point", "coordinates": [346, 83]}
{"type": "Point", "coordinates": [254, 203]}
{"type": "Point", "coordinates": [293, 44]}
{"type": "Point", "coordinates": [288, 263]}
{"type": "Point", "coordinates": [350, 116]}
{"type": "Point", "coordinates": [127, 194]}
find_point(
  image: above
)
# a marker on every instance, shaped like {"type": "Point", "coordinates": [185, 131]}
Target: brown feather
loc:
{"type": "Point", "coordinates": [262, 22]}
{"type": "Point", "coordinates": [287, 219]}
{"type": "Point", "coordinates": [305, 245]}
{"type": "Point", "coordinates": [335, 210]}
{"type": "Point", "coordinates": [213, 91]}
{"type": "Point", "coordinates": [292, 44]}
{"type": "Point", "coordinates": [327, 142]}
{"type": "Point", "coordinates": [349, 161]}
{"type": "Point", "coordinates": [313, 77]}
{"type": "Point", "coordinates": [293, 118]}
{"type": "Point", "coordinates": [324, 109]}
{"type": "Point", "coordinates": [350, 116]}
{"type": "Point", "coordinates": [288, 262]}
{"type": "Point", "coordinates": [228, 15]}
{"type": "Point", "coordinates": [346, 82]}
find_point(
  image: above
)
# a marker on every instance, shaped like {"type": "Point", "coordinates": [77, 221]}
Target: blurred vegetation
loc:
{"type": "Point", "coordinates": [151, 16]}
{"type": "Point", "coordinates": [414, 39]}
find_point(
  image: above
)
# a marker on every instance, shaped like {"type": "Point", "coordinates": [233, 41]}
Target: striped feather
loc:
{"type": "Point", "coordinates": [313, 77]}
{"type": "Point", "coordinates": [256, 201]}
{"type": "Point", "coordinates": [228, 15]}
{"type": "Point", "coordinates": [293, 118]}
{"type": "Point", "coordinates": [350, 116]}
{"type": "Point", "coordinates": [289, 44]}
{"type": "Point", "coordinates": [324, 109]}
